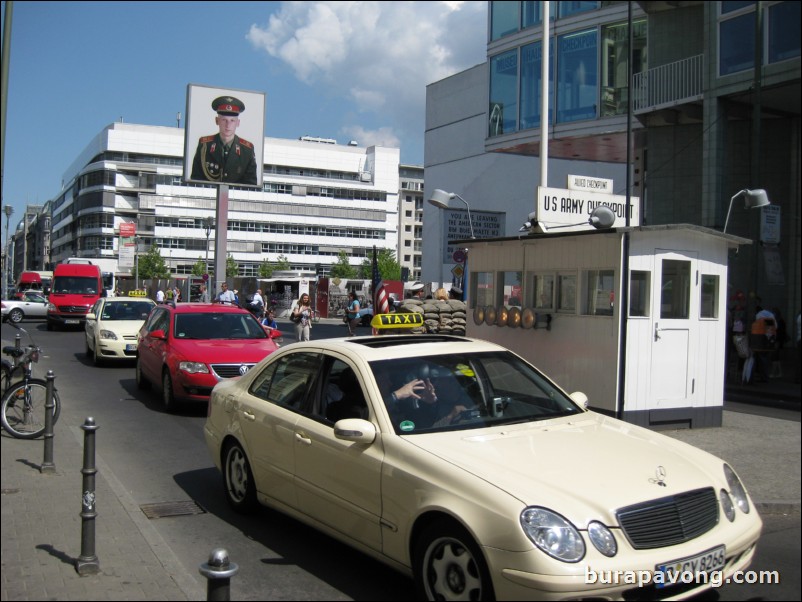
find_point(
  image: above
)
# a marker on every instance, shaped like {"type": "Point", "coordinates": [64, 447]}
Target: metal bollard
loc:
{"type": "Point", "coordinates": [218, 572]}
{"type": "Point", "coordinates": [50, 404]}
{"type": "Point", "coordinates": [87, 563]}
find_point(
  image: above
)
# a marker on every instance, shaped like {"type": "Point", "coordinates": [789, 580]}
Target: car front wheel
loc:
{"type": "Point", "coordinates": [448, 565]}
{"type": "Point", "coordinates": [238, 480]}
{"type": "Point", "coordinates": [168, 398]}
{"type": "Point", "coordinates": [15, 315]}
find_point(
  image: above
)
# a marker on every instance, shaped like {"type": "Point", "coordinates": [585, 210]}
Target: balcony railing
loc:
{"type": "Point", "coordinates": [668, 85]}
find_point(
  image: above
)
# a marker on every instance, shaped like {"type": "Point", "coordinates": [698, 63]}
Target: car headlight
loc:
{"type": "Point", "coordinates": [602, 539]}
{"type": "Point", "coordinates": [51, 307]}
{"type": "Point", "coordinates": [107, 334]}
{"type": "Point", "coordinates": [726, 505]}
{"type": "Point", "coordinates": [193, 367]}
{"type": "Point", "coordinates": [737, 489]}
{"type": "Point", "coordinates": [553, 534]}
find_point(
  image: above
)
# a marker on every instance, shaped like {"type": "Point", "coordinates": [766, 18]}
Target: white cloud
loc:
{"type": "Point", "coordinates": [380, 56]}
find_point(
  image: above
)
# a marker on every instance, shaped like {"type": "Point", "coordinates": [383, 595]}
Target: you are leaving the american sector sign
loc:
{"type": "Point", "coordinates": [570, 209]}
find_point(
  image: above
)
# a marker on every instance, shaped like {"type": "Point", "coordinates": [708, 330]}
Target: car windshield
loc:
{"type": "Point", "coordinates": [75, 285]}
{"type": "Point", "coordinates": [209, 325]}
{"type": "Point", "coordinates": [126, 310]}
{"type": "Point", "coordinates": [467, 392]}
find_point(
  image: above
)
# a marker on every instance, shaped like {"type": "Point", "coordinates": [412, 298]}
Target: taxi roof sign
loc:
{"type": "Point", "coordinates": [397, 320]}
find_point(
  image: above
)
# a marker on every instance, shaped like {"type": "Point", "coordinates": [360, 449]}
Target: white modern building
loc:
{"type": "Point", "coordinates": [410, 221]}
{"type": "Point", "coordinates": [318, 199]}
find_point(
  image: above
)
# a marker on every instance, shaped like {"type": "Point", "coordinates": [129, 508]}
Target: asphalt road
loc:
{"type": "Point", "coordinates": [152, 457]}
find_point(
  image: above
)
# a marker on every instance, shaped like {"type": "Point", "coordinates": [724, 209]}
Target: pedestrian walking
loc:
{"type": "Point", "coordinates": [301, 316]}
{"type": "Point", "coordinates": [352, 315]}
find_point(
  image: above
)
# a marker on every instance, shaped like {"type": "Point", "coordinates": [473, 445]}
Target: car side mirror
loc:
{"type": "Point", "coordinates": [580, 399]}
{"type": "Point", "coordinates": [356, 430]}
{"type": "Point", "coordinates": [158, 334]}
{"type": "Point", "coordinates": [91, 316]}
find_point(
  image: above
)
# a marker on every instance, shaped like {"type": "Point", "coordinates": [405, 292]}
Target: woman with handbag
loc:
{"type": "Point", "coordinates": [352, 316]}
{"type": "Point", "coordinates": [301, 316]}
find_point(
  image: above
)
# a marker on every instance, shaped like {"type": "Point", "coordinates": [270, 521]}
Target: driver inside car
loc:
{"type": "Point", "coordinates": [415, 404]}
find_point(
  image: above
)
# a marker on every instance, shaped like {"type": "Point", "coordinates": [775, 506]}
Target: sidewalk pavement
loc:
{"type": "Point", "coordinates": [41, 522]}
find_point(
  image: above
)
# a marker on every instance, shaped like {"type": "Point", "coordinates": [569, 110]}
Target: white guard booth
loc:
{"type": "Point", "coordinates": [555, 299]}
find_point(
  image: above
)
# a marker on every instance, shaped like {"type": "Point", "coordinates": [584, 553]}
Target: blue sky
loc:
{"type": "Point", "coordinates": [342, 70]}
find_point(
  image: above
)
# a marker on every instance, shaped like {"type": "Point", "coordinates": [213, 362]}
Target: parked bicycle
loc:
{"type": "Point", "coordinates": [22, 409]}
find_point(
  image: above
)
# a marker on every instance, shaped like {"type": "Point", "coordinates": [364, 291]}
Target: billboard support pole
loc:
{"type": "Point", "coordinates": [220, 239]}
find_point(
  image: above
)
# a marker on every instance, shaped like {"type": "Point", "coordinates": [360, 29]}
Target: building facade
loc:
{"type": "Point", "coordinates": [410, 221]}
{"type": "Point", "coordinates": [715, 110]}
{"type": "Point", "coordinates": [318, 199]}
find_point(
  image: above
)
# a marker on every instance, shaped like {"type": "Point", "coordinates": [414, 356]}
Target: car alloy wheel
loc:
{"type": "Point", "coordinates": [450, 566]}
{"type": "Point", "coordinates": [238, 480]}
{"type": "Point", "coordinates": [168, 399]}
{"type": "Point", "coordinates": [16, 315]}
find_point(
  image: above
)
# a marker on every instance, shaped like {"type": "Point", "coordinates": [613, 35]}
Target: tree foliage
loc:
{"type": "Point", "coordinates": [232, 268]}
{"type": "Point", "coordinates": [343, 269]}
{"type": "Point", "coordinates": [152, 265]}
{"type": "Point", "coordinates": [389, 268]}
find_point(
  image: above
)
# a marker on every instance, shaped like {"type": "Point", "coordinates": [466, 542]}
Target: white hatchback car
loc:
{"type": "Point", "coordinates": [457, 462]}
{"type": "Point", "coordinates": [112, 326]}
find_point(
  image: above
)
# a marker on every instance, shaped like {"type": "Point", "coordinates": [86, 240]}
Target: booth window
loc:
{"type": "Point", "coordinates": [542, 292]}
{"type": "Point", "coordinates": [512, 288]}
{"type": "Point", "coordinates": [708, 306]}
{"type": "Point", "coordinates": [483, 289]}
{"type": "Point", "coordinates": [675, 290]}
{"type": "Point", "coordinates": [566, 293]}
{"type": "Point", "coordinates": [599, 293]}
{"type": "Point", "coordinates": [639, 283]}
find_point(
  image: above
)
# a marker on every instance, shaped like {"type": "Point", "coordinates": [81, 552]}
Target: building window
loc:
{"type": "Point", "coordinates": [675, 290]}
{"type": "Point", "coordinates": [566, 293]}
{"type": "Point", "coordinates": [503, 18]}
{"type": "Point", "coordinates": [599, 293]}
{"type": "Point", "coordinates": [512, 289]}
{"type": "Point", "coordinates": [483, 292]}
{"type": "Point", "coordinates": [542, 292]}
{"type": "Point", "coordinates": [784, 31]}
{"type": "Point", "coordinates": [577, 79]}
{"type": "Point", "coordinates": [531, 90]}
{"type": "Point", "coordinates": [503, 108]}
{"type": "Point", "coordinates": [614, 73]}
{"type": "Point", "coordinates": [639, 283]}
{"type": "Point", "coordinates": [708, 306]}
{"type": "Point", "coordinates": [736, 44]}
{"type": "Point", "coordinates": [566, 9]}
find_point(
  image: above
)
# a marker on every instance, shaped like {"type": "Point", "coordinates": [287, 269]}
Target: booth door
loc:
{"type": "Point", "coordinates": [674, 333]}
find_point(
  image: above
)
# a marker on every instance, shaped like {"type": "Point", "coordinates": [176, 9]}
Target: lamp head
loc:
{"type": "Point", "coordinates": [755, 198]}
{"type": "Point", "coordinates": [440, 198]}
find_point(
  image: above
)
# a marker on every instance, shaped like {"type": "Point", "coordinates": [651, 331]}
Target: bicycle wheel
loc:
{"type": "Point", "coordinates": [23, 409]}
{"type": "Point", "coordinates": [5, 377]}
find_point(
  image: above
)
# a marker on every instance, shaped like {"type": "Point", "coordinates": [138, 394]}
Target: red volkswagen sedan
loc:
{"type": "Point", "coordinates": [186, 349]}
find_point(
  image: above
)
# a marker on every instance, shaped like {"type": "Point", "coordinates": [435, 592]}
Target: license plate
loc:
{"type": "Point", "coordinates": [675, 570]}
{"type": "Point", "coordinates": [130, 347]}
{"type": "Point", "coordinates": [72, 321]}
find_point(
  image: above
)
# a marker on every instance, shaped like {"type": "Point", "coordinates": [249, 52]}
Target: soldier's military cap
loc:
{"type": "Point", "coordinates": [228, 105]}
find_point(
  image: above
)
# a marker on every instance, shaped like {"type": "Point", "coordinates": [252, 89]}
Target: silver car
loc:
{"type": "Point", "coordinates": [33, 305]}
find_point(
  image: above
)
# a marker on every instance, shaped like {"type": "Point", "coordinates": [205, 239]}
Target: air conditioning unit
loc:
{"type": "Point", "coordinates": [365, 176]}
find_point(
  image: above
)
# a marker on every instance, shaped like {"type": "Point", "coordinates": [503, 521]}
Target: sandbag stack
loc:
{"type": "Point", "coordinates": [444, 317]}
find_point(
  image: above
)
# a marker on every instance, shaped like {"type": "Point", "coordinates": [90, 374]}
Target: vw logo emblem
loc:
{"type": "Point", "coordinates": [243, 369]}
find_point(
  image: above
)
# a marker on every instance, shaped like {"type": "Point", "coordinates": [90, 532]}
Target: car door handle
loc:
{"type": "Point", "coordinates": [249, 416]}
{"type": "Point", "coordinates": [301, 438]}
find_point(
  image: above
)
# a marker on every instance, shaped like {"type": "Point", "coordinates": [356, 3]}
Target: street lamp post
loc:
{"type": "Point", "coordinates": [440, 199]}
{"type": "Point", "coordinates": [8, 210]}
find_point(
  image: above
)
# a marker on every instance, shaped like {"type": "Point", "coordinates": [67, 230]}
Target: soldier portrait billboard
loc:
{"type": "Point", "coordinates": [224, 136]}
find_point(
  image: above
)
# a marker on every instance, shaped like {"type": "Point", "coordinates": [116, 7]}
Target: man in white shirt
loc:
{"type": "Point", "coordinates": [259, 304]}
{"type": "Point", "coordinates": [226, 296]}
{"type": "Point", "coordinates": [160, 296]}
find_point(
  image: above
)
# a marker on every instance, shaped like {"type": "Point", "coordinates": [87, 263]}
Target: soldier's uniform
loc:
{"type": "Point", "coordinates": [216, 162]}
